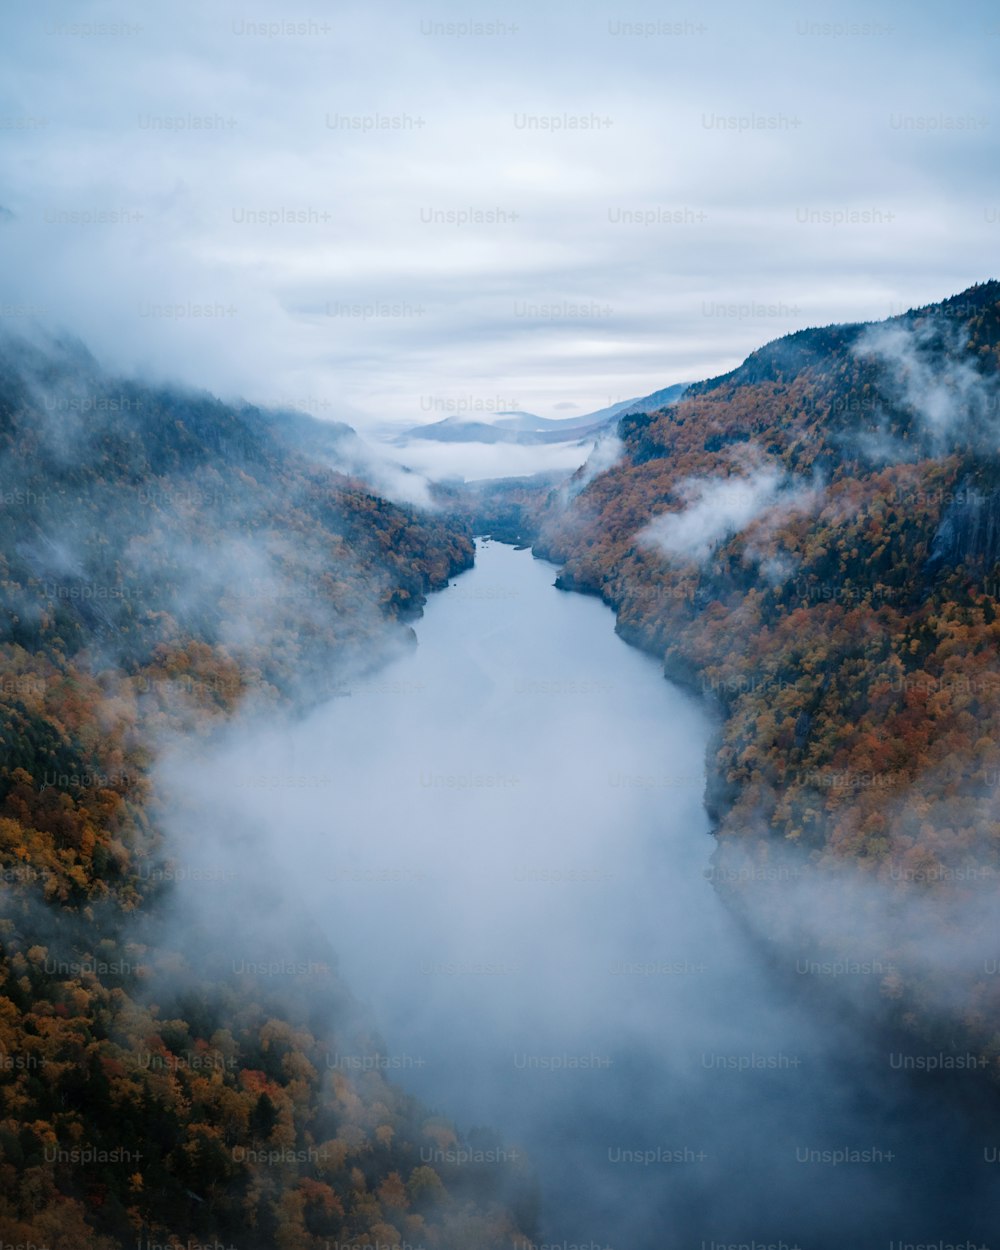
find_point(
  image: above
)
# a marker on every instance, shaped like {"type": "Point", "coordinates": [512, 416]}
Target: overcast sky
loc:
{"type": "Point", "coordinates": [678, 229]}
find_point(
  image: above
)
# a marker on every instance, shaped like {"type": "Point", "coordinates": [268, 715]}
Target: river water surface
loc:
{"type": "Point", "coordinates": [505, 841]}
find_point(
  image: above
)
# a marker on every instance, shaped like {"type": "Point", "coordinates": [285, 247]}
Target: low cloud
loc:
{"type": "Point", "coordinates": [485, 461]}
{"type": "Point", "coordinates": [608, 450]}
{"type": "Point", "coordinates": [927, 371]}
{"type": "Point", "coordinates": [716, 509]}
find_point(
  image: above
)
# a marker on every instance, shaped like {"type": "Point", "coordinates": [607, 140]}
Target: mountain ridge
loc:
{"type": "Point", "coordinates": [809, 543]}
{"type": "Point", "coordinates": [168, 560]}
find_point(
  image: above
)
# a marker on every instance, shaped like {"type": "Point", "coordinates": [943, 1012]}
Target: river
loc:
{"type": "Point", "coordinates": [506, 845]}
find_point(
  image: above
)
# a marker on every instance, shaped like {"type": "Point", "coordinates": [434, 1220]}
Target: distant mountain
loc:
{"type": "Point", "coordinates": [647, 403]}
{"type": "Point", "coordinates": [521, 421]}
{"type": "Point", "coordinates": [659, 399]}
{"type": "Point", "coordinates": [453, 430]}
{"type": "Point", "coordinates": [526, 429]}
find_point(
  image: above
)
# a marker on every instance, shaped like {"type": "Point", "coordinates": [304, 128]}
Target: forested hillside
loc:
{"type": "Point", "coordinates": [813, 543]}
{"type": "Point", "coordinates": [164, 559]}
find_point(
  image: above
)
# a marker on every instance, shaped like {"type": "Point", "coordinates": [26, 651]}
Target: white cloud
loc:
{"type": "Point", "coordinates": [923, 371]}
{"type": "Point", "coordinates": [482, 461]}
{"type": "Point", "coordinates": [716, 509]}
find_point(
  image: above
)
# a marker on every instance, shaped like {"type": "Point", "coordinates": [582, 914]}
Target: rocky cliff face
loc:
{"type": "Point", "coordinates": [969, 533]}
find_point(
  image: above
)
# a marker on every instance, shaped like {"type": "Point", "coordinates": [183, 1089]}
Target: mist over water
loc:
{"type": "Point", "coordinates": [502, 834]}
